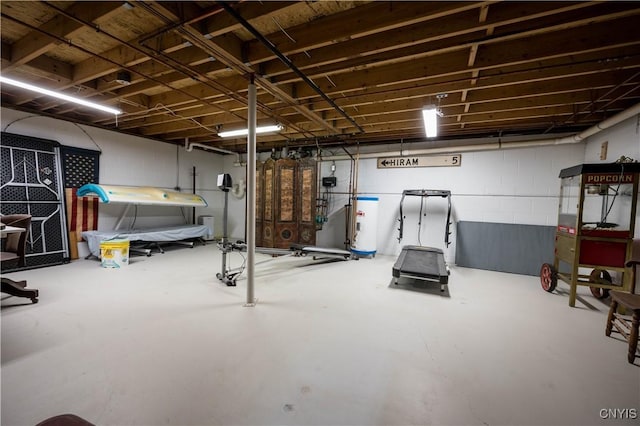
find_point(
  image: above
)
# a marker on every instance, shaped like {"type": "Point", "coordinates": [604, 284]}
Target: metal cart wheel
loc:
{"type": "Point", "coordinates": [599, 275]}
{"type": "Point", "coordinates": [548, 277]}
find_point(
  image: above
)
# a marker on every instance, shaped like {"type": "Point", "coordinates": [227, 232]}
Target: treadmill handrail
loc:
{"type": "Point", "coordinates": [427, 193]}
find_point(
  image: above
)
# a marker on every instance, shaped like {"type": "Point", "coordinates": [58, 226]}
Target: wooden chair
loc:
{"type": "Point", "coordinates": [626, 324]}
{"type": "Point", "coordinates": [13, 255]}
{"type": "Point", "coordinates": [65, 420]}
{"type": "Point", "coordinates": [15, 245]}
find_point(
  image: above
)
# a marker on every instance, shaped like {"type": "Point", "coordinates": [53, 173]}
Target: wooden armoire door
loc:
{"type": "Point", "coordinates": [306, 206]}
{"type": "Point", "coordinates": [285, 223]}
{"type": "Point", "coordinates": [268, 210]}
{"type": "Point", "coordinates": [286, 203]}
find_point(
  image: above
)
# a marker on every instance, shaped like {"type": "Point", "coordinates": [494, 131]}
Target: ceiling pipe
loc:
{"type": "Point", "coordinates": [230, 10]}
{"type": "Point", "coordinates": [609, 122]}
{"type": "Point", "coordinates": [578, 137]}
{"type": "Point", "coordinates": [189, 147]}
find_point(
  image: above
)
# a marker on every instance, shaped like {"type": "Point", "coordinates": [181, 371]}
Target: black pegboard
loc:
{"type": "Point", "coordinates": [30, 184]}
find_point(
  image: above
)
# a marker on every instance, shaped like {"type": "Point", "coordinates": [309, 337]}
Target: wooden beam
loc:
{"type": "Point", "coordinates": [37, 43]}
{"type": "Point", "coordinates": [363, 20]}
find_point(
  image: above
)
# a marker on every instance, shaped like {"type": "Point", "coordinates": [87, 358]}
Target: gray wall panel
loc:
{"type": "Point", "coordinates": [520, 249]}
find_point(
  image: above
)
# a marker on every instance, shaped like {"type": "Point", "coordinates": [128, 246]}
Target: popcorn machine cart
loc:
{"type": "Point", "coordinates": [596, 224]}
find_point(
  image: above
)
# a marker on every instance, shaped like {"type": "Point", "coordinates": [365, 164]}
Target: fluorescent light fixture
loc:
{"type": "Point", "coordinates": [57, 95]}
{"type": "Point", "coordinates": [430, 117]}
{"type": "Point", "coordinates": [243, 132]}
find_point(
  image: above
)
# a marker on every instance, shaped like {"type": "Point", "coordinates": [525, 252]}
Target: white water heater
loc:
{"type": "Point", "coordinates": [366, 227]}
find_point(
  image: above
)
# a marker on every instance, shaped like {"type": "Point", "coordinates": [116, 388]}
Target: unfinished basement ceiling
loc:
{"type": "Point", "coordinates": [362, 71]}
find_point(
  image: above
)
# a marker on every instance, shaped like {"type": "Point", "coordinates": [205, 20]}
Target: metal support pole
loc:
{"type": "Point", "coordinates": [193, 184]}
{"type": "Point", "coordinates": [251, 194]}
{"type": "Point", "coordinates": [225, 219]}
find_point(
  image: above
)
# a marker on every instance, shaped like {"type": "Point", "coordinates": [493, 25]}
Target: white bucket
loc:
{"type": "Point", "coordinates": [114, 253]}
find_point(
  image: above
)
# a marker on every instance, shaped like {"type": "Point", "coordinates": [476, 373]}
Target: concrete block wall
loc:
{"type": "Point", "coordinates": [517, 186]}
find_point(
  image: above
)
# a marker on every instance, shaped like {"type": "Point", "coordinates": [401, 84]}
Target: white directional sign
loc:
{"type": "Point", "coordinates": [408, 161]}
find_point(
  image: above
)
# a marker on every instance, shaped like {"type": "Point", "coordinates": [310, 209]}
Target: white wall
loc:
{"type": "Point", "coordinates": [623, 140]}
{"type": "Point", "coordinates": [136, 161]}
{"type": "Point", "coordinates": [508, 186]}
{"type": "Point", "coordinates": [519, 186]}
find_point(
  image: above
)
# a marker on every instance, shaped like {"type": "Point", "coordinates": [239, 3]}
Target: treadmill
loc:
{"type": "Point", "coordinates": [420, 262]}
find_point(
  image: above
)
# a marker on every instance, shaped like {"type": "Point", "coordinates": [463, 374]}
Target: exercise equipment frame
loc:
{"type": "Point", "coordinates": [419, 262]}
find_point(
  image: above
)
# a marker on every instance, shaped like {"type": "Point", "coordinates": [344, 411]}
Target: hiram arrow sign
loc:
{"type": "Point", "coordinates": [409, 161]}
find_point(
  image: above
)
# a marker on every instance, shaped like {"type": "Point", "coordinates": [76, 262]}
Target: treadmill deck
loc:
{"type": "Point", "coordinates": [425, 263]}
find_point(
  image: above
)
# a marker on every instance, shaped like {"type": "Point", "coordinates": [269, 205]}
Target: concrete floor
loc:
{"type": "Point", "coordinates": [162, 342]}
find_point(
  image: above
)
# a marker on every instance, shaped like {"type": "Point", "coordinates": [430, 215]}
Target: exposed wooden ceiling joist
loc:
{"type": "Point", "coordinates": [349, 70]}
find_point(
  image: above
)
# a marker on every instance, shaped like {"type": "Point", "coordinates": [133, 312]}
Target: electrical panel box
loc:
{"type": "Point", "coordinates": [330, 181]}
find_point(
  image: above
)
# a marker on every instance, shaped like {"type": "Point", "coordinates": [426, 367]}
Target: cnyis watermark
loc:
{"type": "Point", "coordinates": [618, 413]}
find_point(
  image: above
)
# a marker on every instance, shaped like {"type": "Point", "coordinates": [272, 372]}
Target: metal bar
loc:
{"type": "Point", "coordinates": [57, 158]}
{"type": "Point", "coordinates": [275, 258]}
{"type": "Point", "coordinates": [251, 194]}
{"type": "Point", "coordinates": [122, 216]}
{"type": "Point", "coordinates": [193, 182]}
{"type": "Point", "coordinates": [400, 229]}
{"type": "Point", "coordinates": [575, 264]}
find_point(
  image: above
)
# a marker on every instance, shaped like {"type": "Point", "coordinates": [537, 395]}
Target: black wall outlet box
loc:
{"type": "Point", "coordinates": [329, 181]}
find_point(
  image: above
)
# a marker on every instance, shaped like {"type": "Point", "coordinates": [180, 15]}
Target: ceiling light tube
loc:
{"type": "Point", "coordinates": [430, 117]}
{"type": "Point", "coordinates": [244, 132]}
{"type": "Point", "coordinates": [57, 95]}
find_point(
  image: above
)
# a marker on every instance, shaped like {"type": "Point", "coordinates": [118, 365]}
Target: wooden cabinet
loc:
{"type": "Point", "coordinates": [285, 203]}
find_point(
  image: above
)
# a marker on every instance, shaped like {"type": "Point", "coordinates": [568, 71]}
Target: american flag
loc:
{"type": "Point", "coordinates": [82, 213]}
{"type": "Point", "coordinates": [80, 167]}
